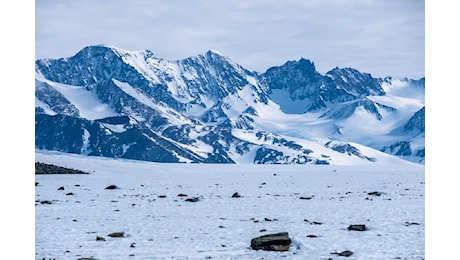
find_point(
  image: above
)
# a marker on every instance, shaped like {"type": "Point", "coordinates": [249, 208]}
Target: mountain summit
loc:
{"type": "Point", "coordinates": [106, 101]}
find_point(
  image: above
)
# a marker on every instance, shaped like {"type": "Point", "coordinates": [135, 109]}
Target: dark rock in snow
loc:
{"type": "Point", "coordinates": [374, 193]}
{"type": "Point", "coordinates": [359, 227]}
{"type": "Point", "coordinates": [98, 238]}
{"type": "Point", "coordinates": [61, 188]}
{"type": "Point", "coordinates": [236, 195]}
{"type": "Point", "coordinates": [111, 187]}
{"type": "Point", "coordinates": [346, 253]}
{"type": "Point", "coordinates": [194, 199]}
{"type": "Point", "coordinates": [272, 242]}
{"type": "Point", "coordinates": [117, 234]}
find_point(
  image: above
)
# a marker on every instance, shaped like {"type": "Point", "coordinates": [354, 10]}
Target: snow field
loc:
{"type": "Point", "coordinates": [159, 224]}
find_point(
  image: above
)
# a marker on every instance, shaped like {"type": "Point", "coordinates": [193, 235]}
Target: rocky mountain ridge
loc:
{"type": "Point", "coordinates": [106, 101]}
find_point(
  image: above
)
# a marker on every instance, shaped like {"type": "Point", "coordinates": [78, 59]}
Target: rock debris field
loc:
{"type": "Point", "coordinates": [121, 209]}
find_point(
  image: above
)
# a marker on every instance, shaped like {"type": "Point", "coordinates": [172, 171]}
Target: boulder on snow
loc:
{"type": "Point", "coordinates": [117, 234]}
{"type": "Point", "coordinates": [194, 199]}
{"type": "Point", "coordinates": [272, 242]}
{"type": "Point", "coordinates": [236, 195]}
{"type": "Point", "coordinates": [345, 253]}
{"type": "Point", "coordinates": [359, 227]}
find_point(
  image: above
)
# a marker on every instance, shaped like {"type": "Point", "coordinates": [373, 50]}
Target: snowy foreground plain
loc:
{"type": "Point", "coordinates": [159, 224]}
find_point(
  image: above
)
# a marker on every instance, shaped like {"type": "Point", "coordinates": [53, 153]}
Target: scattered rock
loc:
{"type": "Point", "coordinates": [111, 187]}
{"type": "Point", "coordinates": [87, 258]}
{"type": "Point", "coordinates": [374, 193]}
{"type": "Point", "coordinates": [312, 236]}
{"type": "Point", "coordinates": [272, 242]}
{"type": "Point", "coordinates": [117, 234]}
{"type": "Point", "coordinates": [346, 253]}
{"type": "Point", "coordinates": [313, 222]}
{"type": "Point", "coordinates": [181, 195]}
{"type": "Point", "coordinates": [36, 184]}
{"type": "Point", "coordinates": [133, 245]}
{"type": "Point", "coordinates": [69, 194]}
{"type": "Point", "coordinates": [411, 223]}
{"type": "Point", "coordinates": [236, 195]}
{"type": "Point", "coordinates": [359, 227]}
{"type": "Point", "coordinates": [61, 188]}
{"type": "Point", "coordinates": [194, 199]}
{"type": "Point", "coordinates": [45, 202]}
{"type": "Point", "coordinates": [162, 196]}
{"type": "Point", "coordinates": [306, 198]}
{"type": "Point", "coordinates": [98, 238]}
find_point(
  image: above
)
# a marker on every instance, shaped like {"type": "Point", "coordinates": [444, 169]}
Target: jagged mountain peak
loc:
{"type": "Point", "coordinates": [303, 66]}
{"type": "Point", "coordinates": [103, 48]}
{"type": "Point", "coordinates": [213, 52]}
{"type": "Point", "coordinates": [208, 108]}
{"type": "Point", "coordinates": [357, 83]}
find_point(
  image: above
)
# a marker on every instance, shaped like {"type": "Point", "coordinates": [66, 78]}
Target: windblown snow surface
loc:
{"type": "Point", "coordinates": [315, 204]}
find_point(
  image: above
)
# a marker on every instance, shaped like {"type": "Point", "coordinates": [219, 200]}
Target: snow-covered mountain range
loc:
{"type": "Point", "coordinates": [106, 101]}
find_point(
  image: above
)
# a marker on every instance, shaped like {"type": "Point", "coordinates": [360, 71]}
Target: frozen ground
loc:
{"type": "Point", "coordinates": [159, 224]}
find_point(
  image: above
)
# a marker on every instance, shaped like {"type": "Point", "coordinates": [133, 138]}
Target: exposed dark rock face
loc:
{"type": "Point", "coordinates": [272, 242]}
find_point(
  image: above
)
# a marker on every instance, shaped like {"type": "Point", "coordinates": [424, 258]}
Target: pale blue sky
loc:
{"type": "Point", "coordinates": [381, 37]}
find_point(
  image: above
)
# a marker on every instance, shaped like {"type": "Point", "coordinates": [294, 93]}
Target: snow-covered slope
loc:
{"type": "Point", "coordinates": [106, 101]}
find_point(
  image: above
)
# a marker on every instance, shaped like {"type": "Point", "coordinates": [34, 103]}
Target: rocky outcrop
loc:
{"type": "Point", "coordinates": [43, 168]}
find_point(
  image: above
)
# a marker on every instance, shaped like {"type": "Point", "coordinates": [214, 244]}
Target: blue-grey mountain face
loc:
{"type": "Point", "coordinates": [416, 123]}
{"type": "Point", "coordinates": [105, 101]}
{"type": "Point", "coordinates": [302, 82]}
